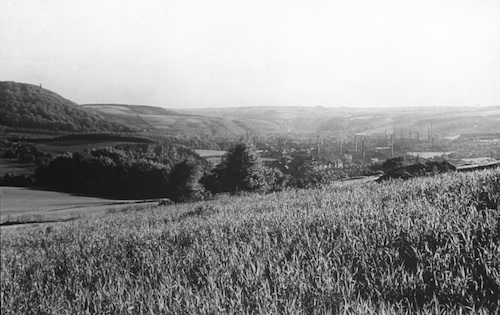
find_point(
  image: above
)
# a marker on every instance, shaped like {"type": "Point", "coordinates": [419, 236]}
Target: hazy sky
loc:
{"type": "Point", "coordinates": [203, 53]}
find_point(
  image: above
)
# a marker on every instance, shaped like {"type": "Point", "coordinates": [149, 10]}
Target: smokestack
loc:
{"type": "Point", "coordinates": [356, 143]}
{"type": "Point", "coordinates": [392, 146]}
{"type": "Point", "coordinates": [318, 144]}
{"type": "Point", "coordinates": [410, 134]}
{"type": "Point", "coordinates": [363, 149]}
{"type": "Point", "coordinates": [401, 133]}
{"type": "Point", "coordinates": [432, 133]}
{"type": "Point", "coordinates": [341, 148]}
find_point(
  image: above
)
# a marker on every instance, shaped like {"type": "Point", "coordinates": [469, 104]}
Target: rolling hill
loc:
{"type": "Point", "coordinates": [447, 121]}
{"type": "Point", "coordinates": [29, 106]}
{"type": "Point", "coordinates": [172, 121]}
{"type": "Point", "coordinates": [342, 122]}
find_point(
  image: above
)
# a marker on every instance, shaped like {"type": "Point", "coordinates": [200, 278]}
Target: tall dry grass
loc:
{"type": "Point", "coordinates": [420, 246]}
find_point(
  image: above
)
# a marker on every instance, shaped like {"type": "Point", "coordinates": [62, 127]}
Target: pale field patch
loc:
{"type": "Point", "coordinates": [18, 204]}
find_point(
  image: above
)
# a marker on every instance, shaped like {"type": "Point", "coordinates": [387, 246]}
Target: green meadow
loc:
{"type": "Point", "coordinates": [422, 246]}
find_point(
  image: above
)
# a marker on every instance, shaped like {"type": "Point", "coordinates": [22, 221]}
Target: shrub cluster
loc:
{"type": "Point", "coordinates": [405, 171]}
{"type": "Point", "coordinates": [25, 153]}
{"type": "Point", "coordinates": [140, 172]}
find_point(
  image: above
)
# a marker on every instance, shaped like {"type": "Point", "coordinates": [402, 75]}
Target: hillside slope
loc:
{"type": "Point", "coordinates": [342, 122]}
{"type": "Point", "coordinates": [446, 121]}
{"type": "Point", "coordinates": [172, 121]}
{"type": "Point", "coordinates": [32, 107]}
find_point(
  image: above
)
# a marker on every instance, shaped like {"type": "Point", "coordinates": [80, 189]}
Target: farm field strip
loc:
{"type": "Point", "coordinates": [18, 203]}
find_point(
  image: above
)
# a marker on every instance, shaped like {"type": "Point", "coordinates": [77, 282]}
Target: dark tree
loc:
{"type": "Point", "coordinates": [183, 182]}
{"type": "Point", "coordinates": [242, 170]}
{"type": "Point", "coordinates": [303, 174]}
{"type": "Point", "coordinates": [393, 163]}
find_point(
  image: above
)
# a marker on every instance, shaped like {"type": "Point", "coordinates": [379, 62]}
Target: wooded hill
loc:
{"type": "Point", "coordinates": [32, 107]}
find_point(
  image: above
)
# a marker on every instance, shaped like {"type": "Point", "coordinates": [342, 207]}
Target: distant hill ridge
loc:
{"type": "Point", "coordinates": [341, 121]}
{"type": "Point", "coordinates": [173, 122]}
{"type": "Point", "coordinates": [127, 109]}
{"type": "Point", "coordinates": [370, 121]}
{"type": "Point", "coordinates": [29, 106]}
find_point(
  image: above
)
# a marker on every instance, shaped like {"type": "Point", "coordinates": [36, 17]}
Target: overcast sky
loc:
{"type": "Point", "coordinates": [203, 53]}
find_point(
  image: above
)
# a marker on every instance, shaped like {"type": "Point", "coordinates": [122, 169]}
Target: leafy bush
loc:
{"type": "Point", "coordinates": [393, 163]}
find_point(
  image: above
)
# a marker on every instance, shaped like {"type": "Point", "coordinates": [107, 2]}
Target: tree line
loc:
{"type": "Point", "coordinates": [143, 171]}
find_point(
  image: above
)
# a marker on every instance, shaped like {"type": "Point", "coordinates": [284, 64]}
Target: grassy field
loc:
{"type": "Point", "coordinates": [422, 246]}
{"type": "Point", "coordinates": [22, 206]}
